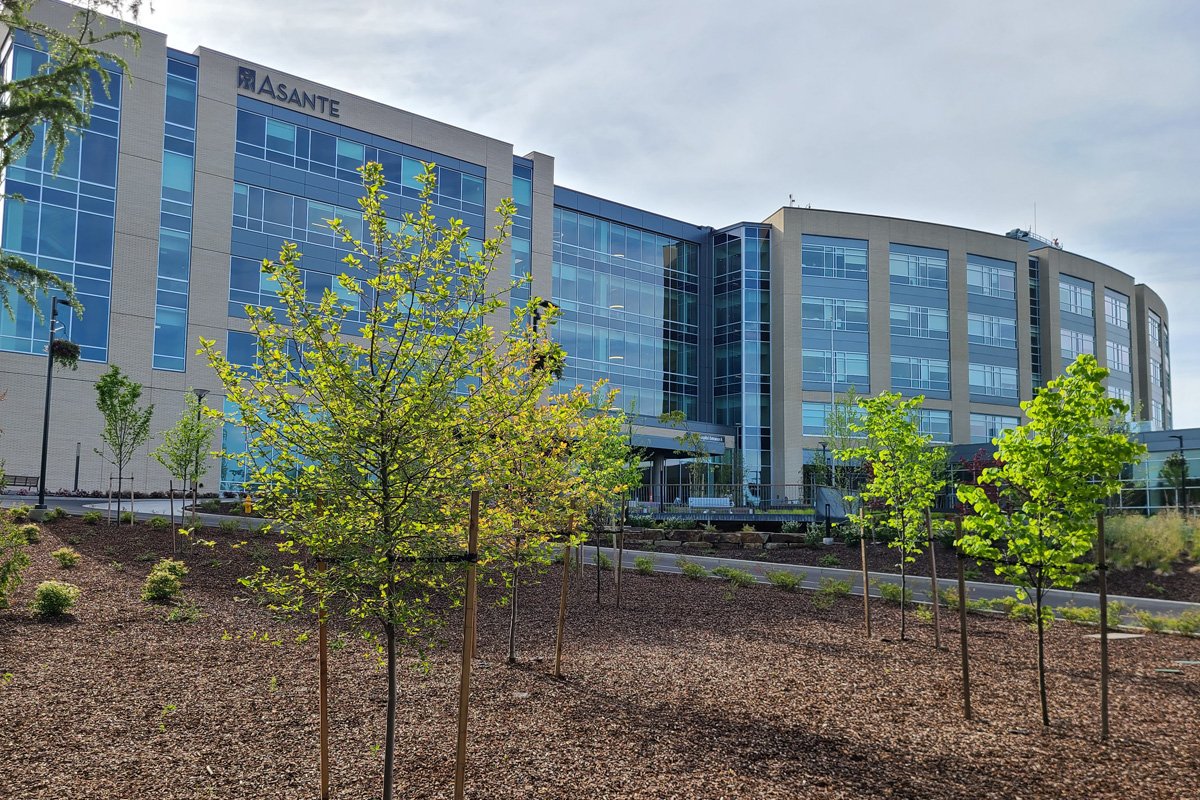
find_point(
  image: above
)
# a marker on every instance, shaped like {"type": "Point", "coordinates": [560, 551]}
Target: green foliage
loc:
{"type": "Point", "coordinates": [92, 517]}
{"type": "Point", "coordinates": [924, 613]}
{"type": "Point", "coordinates": [812, 537]}
{"type": "Point", "coordinates": [893, 593]}
{"type": "Point", "coordinates": [229, 526]}
{"type": "Point", "coordinates": [19, 513]}
{"type": "Point", "coordinates": [691, 570]}
{"type": "Point", "coordinates": [1155, 623]}
{"type": "Point", "coordinates": [164, 581]}
{"type": "Point", "coordinates": [376, 407]}
{"type": "Point", "coordinates": [1087, 615]}
{"type": "Point", "coordinates": [605, 562]}
{"type": "Point", "coordinates": [747, 528]}
{"type": "Point", "coordinates": [1054, 472]}
{"type": "Point", "coordinates": [159, 523]}
{"type": "Point", "coordinates": [640, 521]}
{"type": "Point", "coordinates": [1188, 623]}
{"type": "Point", "coordinates": [185, 446]}
{"type": "Point", "coordinates": [1156, 542]}
{"type": "Point", "coordinates": [126, 518]}
{"type": "Point", "coordinates": [785, 580]}
{"type": "Point", "coordinates": [126, 424]}
{"type": "Point", "coordinates": [55, 514]}
{"type": "Point", "coordinates": [67, 557]}
{"type": "Point", "coordinates": [906, 473]}
{"type": "Point", "coordinates": [792, 526]}
{"type": "Point", "coordinates": [676, 524]}
{"type": "Point", "coordinates": [829, 560]}
{"type": "Point", "coordinates": [187, 611]}
{"type": "Point", "coordinates": [848, 534]}
{"type": "Point", "coordinates": [54, 598]}
{"type": "Point", "coordinates": [644, 565]}
{"type": "Point", "coordinates": [13, 560]}
{"type": "Point", "coordinates": [31, 532]}
{"type": "Point", "coordinates": [708, 527]}
{"type": "Point", "coordinates": [736, 577]}
{"type": "Point", "coordinates": [828, 592]}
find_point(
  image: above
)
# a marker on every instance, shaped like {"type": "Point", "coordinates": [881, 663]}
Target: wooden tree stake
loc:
{"type": "Point", "coordinates": [562, 611]}
{"type": "Point", "coordinates": [323, 691]}
{"type": "Point", "coordinates": [937, 620]}
{"type": "Point", "coordinates": [862, 543]}
{"type": "Point", "coordinates": [1102, 569]}
{"type": "Point", "coordinates": [464, 686]}
{"type": "Point", "coordinates": [962, 623]}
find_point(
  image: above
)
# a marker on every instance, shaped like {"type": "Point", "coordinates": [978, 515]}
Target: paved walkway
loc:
{"type": "Point", "coordinates": [142, 509]}
{"type": "Point", "coordinates": [919, 585]}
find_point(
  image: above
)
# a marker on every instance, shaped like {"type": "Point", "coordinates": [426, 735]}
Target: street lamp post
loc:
{"type": "Point", "coordinates": [1183, 467]}
{"type": "Point", "coordinates": [41, 503]}
{"type": "Point", "coordinates": [200, 395]}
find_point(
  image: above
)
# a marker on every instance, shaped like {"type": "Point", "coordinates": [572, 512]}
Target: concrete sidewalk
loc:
{"type": "Point", "coordinates": [918, 585]}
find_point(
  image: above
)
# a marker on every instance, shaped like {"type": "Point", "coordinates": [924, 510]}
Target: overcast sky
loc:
{"type": "Point", "coordinates": [963, 113]}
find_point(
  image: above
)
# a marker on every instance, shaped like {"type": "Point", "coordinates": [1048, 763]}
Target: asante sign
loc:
{"type": "Point", "coordinates": [248, 81]}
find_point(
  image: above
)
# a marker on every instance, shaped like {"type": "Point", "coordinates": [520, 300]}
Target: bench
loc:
{"type": "Point", "coordinates": [709, 502]}
{"type": "Point", "coordinates": [21, 481]}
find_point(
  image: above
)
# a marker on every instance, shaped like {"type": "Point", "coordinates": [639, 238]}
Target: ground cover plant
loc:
{"type": "Point", "coordinates": [766, 698]}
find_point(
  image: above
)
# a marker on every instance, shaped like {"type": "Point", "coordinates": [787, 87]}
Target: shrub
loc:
{"type": "Point", "coordinates": [1086, 615]}
{"type": "Point", "coordinates": [848, 535]}
{"type": "Point", "coordinates": [949, 597]}
{"type": "Point", "coordinates": [55, 514]}
{"type": "Point", "coordinates": [1156, 542]}
{"type": "Point", "coordinates": [737, 577]}
{"type": "Point", "coordinates": [126, 518]}
{"type": "Point", "coordinates": [604, 561]}
{"type": "Point", "coordinates": [813, 537]}
{"type": "Point", "coordinates": [924, 613]}
{"type": "Point", "coordinates": [31, 532]}
{"type": "Point", "coordinates": [159, 523]}
{"type": "Point", "coordinates": [19, 513]}
{"type": "Point", "coordinates": [708, 527]}
{"type": "Point", "coordinates": [829, 560]}
{"type": "Point", "coordinates": [792, 526]}
{"type": "Point", "coordinates": [54, 598]}
{"type": "Point", "coordinates": [644, 565]}
{"type": "Point", "coordinates": [67, 557]}
{"type": "Point", "coordinates": [787, 581]}
{"type": "Point", "coordinates": [229, 526]}
{"type": "Point", "coordinates": [677, 524]}
{"type": "Point", "coordinates": [691, 570]}
{"type": "Point", "coordinates": [92, 517]}
{"type": "Point", "coordinates": [891, 592]}
{"type": "Point", "coordinates": [747, 528]}
{"type": "Point", "coordinates": [1188, 623]}
{"type": "Point", "coordinates": [1155, 623]}
{"type": "Point", "coordinates": [186, 611]}
{"type": "Point", "coordinates": [13, 560]}
{"type": "Point", "coordinates": [164, 581]}
{"type": "Point", "coordinates": [834, 587]}
{"type": "Point", "coordinates": [640, 521]}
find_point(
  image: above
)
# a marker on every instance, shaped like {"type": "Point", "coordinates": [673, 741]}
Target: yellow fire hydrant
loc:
{"type": "Point", "coordinates": [247, 504]}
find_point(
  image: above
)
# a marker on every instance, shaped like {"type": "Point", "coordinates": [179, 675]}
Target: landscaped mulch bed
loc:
{"type": "Point", "coordinates": [681, 693]}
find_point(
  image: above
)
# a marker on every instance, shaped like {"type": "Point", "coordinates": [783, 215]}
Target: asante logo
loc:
{"type": "Point", "coordinates": [247, 80]}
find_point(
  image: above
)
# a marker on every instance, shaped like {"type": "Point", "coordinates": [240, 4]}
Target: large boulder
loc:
{"type": "Point", "coordinates": [786, 538]}
{"type": "Point", "coordinates": [752, 537]}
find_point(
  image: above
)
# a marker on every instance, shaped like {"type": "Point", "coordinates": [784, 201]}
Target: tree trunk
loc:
{"type": "Point", "coordinates": [389, 750]}
{"type": "Point", "coordinates": [1041, 657]}
{"type": "Point", "coordinates": [903, 590]}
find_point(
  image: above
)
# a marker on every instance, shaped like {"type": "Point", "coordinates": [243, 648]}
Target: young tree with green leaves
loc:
{"type": "Point", "coordinates": [51, 106]}
{"type": "Point", "coordinates": [572, 444]}
{"type": "Point", "coordinates": [1055, 472]}
{"type": "Point", "coordinates": [126, 424]}
{"type": "Point", "coordinates": [371, 414]}
{"type": "Point", "coordinates": [186, 446]}
{"type": "Point", "coordinates": [906, 475]}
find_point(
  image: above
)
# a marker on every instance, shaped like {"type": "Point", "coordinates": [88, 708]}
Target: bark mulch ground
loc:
{"type": "Point", "coordinates": [1183, 584]}
{"type": "Point", "coordinates": [684, 692]}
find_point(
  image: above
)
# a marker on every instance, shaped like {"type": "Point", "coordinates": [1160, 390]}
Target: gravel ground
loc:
{"type": "Point", "coordinates": [684, 692]}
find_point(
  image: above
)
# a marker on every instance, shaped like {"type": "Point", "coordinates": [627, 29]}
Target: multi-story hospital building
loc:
{"type": "Point", "coordinates": [205, 163]}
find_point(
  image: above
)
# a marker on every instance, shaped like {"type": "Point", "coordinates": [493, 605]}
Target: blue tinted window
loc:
{"type": "Point", "coordinates": [174, 254]}
{"type": "Point", "coordinates": [99, 159]}
{"type": "Point", "coordinates": [21, 226]}
{"type": "Point", "coordinates": [177, 177]}
{"type": "Point", "coordinates": [350, 155]}
{"type": "Point", "coordinates": [181, 102]}
{"type": "Point", "coordinates": [281, 136]}
{"type": "Point", "coordinates": [251, 128]}
{"type": "Point", "coordinates": [58, 232]}
{"type": "Point", "coordinates": [95, 242]}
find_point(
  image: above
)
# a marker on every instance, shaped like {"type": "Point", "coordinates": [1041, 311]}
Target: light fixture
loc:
{"type": "Point", "coordinates": [616, 358]}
